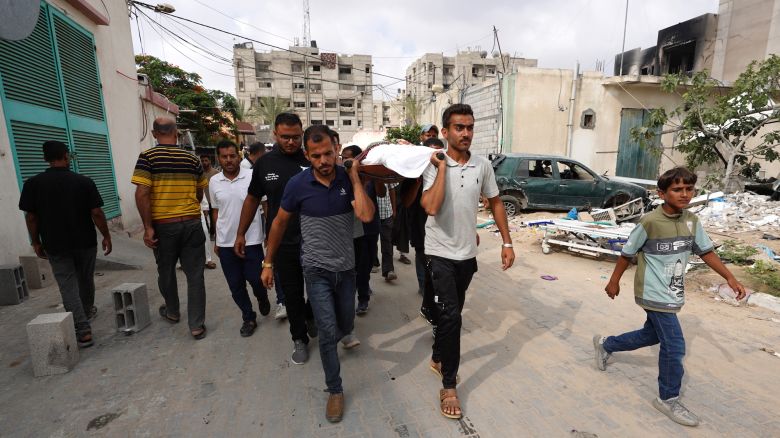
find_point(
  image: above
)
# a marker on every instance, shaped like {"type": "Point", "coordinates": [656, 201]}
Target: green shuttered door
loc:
{"type": "Point", "coordinates": [51, 91]}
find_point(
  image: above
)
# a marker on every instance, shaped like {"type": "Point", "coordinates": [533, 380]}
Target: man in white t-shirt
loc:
{"type": "Point", "coordinates": [451, 191]}
{"type": "Point", "coordinates": [228, 190]}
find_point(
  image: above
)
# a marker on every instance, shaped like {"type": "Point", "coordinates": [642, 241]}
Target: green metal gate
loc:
{"type": "Point", "coordinates": [51, 91]}
{"type": "Point", "coordinates": [633, 160]}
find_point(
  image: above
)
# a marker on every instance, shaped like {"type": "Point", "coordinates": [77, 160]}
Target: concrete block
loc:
{"type": "Point", "coordinates": [53, 346]}
{"type": "Point", "coordinates": [13, 285]}
{"type": "Point", "coordinates": [37, 272]}
{"type": "Point", "coordinates": [131, 307]}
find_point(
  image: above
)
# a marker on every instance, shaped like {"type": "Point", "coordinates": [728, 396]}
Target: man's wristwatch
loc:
{"type": "Point", "coordinates": [267, 265]}
{"type": "Point", "coordinates": [507, 245]}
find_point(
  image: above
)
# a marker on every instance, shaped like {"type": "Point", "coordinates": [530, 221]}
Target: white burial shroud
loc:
{"type": "Point", "coordinates": [408, 161]}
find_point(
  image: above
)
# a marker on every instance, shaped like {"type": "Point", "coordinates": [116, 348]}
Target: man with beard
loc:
{"type": "Point", "coordinates": [325, 198]}
{"type": "Point", "coordinates": [451, 191]}
{"type": "Point", "coordinates": [270, 175]}
{"type": "Point", "coordinates": [227, 191]}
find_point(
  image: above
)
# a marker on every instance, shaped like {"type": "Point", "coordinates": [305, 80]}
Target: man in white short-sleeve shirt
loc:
{"type": "Point", "coordinates": [451, 191]}
{"type": "Point", "coordinates": [227, 191]}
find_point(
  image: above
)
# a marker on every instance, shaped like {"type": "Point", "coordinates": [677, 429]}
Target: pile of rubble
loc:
{"type": "Point", "coordinates": [741, 212]}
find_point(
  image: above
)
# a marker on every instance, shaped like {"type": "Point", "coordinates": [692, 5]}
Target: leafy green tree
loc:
{"type": "Point", "coordinates": [412, 110]}
{"type": "Point", "coordinates": [210, 120]}
{"type": "Point", "coordinates": [717, 124]}
{"type": "Point", "coordinates": [269, 108]}
{"type": "Point", "coordinates": [410, 133]}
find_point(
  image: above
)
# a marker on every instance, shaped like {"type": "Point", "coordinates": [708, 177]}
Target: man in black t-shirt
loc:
{"type": "Point", "coordinates": [61, 210]}
{"type": "Point", "coordinates": [270, 175]}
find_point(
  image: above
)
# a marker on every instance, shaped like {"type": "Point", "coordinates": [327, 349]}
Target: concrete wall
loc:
{"type": "Point", "coordinates": [537, 112]}
{"type": "Point", "coordinates": [123, 113]}
{"type": "Point", "coordinates": [747, 31]}
{"type": "Point", "coordinates": [485, 101]}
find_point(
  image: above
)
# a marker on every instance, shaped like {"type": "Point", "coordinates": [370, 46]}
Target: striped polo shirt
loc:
{"type": "Point", "coordinates": [174, 176]}
{"type": "Point", "coordinates": [326, 215]}
{"type": "Point", "coordinates": [662, 244]}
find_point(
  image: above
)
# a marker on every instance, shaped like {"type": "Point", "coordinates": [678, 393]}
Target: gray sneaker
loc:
{"type": "Point", "coordinates": [300, 353]}
{"type": "Point", "coordinates": [601, 354]}
{"type": "Point", "coordinates": [675, 410]}
{"type": "Point", "coordinates": [350, 341]}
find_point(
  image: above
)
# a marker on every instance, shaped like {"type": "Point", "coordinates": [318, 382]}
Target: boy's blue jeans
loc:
{"type": "Point", "coordinates": [663, 328]}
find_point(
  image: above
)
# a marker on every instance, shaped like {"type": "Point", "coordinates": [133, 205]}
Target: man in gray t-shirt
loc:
{"type": "Point", "coordinates": [451, 191]}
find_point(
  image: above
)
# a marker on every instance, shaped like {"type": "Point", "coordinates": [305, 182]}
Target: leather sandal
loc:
{"type": "Point", "coordinates": [448, 398]}
{"type": "Point", "coordinates": [199, 335]}
{"type": "Point", "coordinates": [436, 368]}
{"type": "Point", "coordinates": [164, 313]}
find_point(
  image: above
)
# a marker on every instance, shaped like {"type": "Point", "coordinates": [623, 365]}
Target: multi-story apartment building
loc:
{"type": "Point", "coordinates": [387, 114]}
{"type": "Point", "coordinates": [322, 88]}
{"type": "Point", "coordinates": [465, 69]}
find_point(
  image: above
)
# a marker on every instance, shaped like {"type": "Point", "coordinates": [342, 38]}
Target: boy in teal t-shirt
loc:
{"type": "Point", "coordinates": [662, 242]}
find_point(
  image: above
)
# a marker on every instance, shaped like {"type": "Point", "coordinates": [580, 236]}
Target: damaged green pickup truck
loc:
{"type": "Point", "coordinates": [549, 182]}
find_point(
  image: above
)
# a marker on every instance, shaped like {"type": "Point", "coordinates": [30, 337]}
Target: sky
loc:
{"type": "Point", "coordinates": [556, 32]}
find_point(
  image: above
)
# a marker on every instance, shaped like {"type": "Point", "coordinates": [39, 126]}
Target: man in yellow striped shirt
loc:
{"type": "Point", "coordinates": [169, 188]}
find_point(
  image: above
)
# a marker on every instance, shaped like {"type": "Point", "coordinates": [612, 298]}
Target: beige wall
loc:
{"type": "Point", "coordinates": [748, 30]}
{"type": "Point", "coordinates": [537, 122]}
{"type": "Point", "coordinates": [123, 114]}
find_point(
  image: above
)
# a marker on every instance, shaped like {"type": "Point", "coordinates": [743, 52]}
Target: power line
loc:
{"type": "Point", "coordinates": [151, 7]}
{"type": "Point", "coordinates": [242, 22]}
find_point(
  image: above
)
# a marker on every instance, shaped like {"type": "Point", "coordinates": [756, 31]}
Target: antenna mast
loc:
{"type": "Point", "coordinates": [306, 24]}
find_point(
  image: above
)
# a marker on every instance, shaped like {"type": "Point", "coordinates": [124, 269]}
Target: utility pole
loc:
{"type": "Point", "coordinates": [500, 53]}
{"type": "Point", "coordinates": [623, 50]}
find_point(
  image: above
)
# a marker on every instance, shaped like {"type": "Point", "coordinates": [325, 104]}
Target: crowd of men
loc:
{"type": "Point", "coordinates": [300, 220]}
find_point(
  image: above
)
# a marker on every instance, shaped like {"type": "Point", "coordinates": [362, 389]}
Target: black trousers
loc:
{"type": "Point", "coordinates": [288, 265]}
{"type": "Point", "coordinates": [364, 248]}
{"type": "Point", "coordinates": [450, 279]}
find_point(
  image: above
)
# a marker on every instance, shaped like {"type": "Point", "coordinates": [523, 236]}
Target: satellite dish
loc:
{"type": "Point", "coordinates": [18, 19]}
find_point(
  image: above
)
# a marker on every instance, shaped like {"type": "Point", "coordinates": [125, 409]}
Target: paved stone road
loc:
{"type": "Point", "coordinates": [527, 367]}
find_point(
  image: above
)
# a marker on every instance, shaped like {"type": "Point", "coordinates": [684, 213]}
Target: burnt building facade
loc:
{"type": "Point", "coordinates": [686, 47]}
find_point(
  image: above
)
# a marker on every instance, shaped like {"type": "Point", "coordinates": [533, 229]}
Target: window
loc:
{"type": "Point", "coordinates": [315, 67]}
{"type": "Point", "coordinates": [262, 84]}
{"type": "Point", "coordinates": [331, 104]}
{"type": "Point", "coordinates": [346, 87]}
{"type": "Point", "coordinates": [316, 122]}
{"type": "Point", "coordinates": [539, 168]}
{"type": "Point", "coordinates": [297, 67]}
{"type": "Point", "coordinates": [491, 70]}
{"type": "Point", "coordinates": [315, 105]}
{"type": "Point", "coordinates": [262, 67]}
{"type": "Point", "coordinates": [299, 104]}
{"type": "Point", "coordinates": [345, 70]}
{"type": "Point", "coordinates": [315, 88]}
{"type": "Point", "coordinates": [588, 120]}
{"type": "Point", "coordinates": [239, 62]}
{"type": "Point", "coordinates": [573, 171]}
{"type": "Point", "coordinates": [360, 105]}
{"type": "Point", "coordinates": [368, 68]}
{"type": "Point", "coordinates": [360, 123]}
{"type": "Point", "coordinates": [346, 122]}
{"type": "Point", "coordinates": [240, 85]}
{"type": "Point", "coordinates": [329, 122]}
{"type": "Point", "coordinates": [298, 86]}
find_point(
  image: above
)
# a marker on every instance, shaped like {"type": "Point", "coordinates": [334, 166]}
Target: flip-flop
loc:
{"type": "Point", "coordinates": [164, 313]}
{"type": "Point", "coordinates": [437, 370]}
{"type": "Point", "coordinates": [200, 335]}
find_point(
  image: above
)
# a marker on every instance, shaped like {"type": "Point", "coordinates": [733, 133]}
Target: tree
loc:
{"type": "Point", "coordinates": [270, 107]}
{"type": "Point", "coordinates": [410, 133]}
{"type": "Point", "coordinates": [412, 110]}
{"type": "Point", "coordinates": [210, 120]}
{"type": "Point", "coordinates": [715, 124]}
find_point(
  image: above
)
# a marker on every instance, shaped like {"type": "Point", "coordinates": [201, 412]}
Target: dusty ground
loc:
{"type": "Point", "coordinates": [527, 365]}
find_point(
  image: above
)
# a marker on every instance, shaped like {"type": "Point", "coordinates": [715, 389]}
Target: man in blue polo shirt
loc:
{"type": "Point", "coordinates": [324, 197]}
